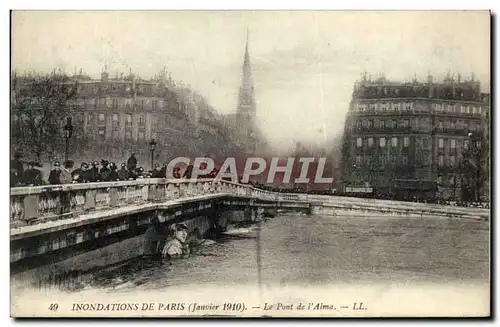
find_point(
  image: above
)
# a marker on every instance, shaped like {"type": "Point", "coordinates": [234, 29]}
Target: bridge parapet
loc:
{"type": "Point", "coordinates": [41, 203]}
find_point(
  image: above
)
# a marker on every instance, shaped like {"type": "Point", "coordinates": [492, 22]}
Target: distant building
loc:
{"type": "Point", "coordinates": [406, 140]}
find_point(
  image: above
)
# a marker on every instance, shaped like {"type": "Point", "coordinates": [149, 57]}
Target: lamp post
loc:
{"type": "Point", "coordinates": [152, 145]}
{"type": "Point", "coordinates": [68, 132]}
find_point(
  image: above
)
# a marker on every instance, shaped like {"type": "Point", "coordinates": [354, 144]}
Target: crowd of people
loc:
{"type": "Point", "coordinates": [95, 171]}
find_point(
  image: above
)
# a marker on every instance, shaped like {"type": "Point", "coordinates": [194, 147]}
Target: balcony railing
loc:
{"type": "Point", "coordinates": [43, 203]}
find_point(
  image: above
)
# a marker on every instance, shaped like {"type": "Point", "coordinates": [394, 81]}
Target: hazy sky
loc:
{"type": "Point", "coordinates": [304, 63]}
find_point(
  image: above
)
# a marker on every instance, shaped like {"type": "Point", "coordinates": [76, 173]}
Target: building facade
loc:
{"type": "Point", "coordinates": [410, 140]}
{"type": "Point", "coordinates": [116, 116]}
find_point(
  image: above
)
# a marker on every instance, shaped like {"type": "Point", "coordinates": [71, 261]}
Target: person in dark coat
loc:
{"type": "Point", "coordinates": [15, 179]}
{"type": "Point", "coordinates": [17, 164]}
{"type": "Point", "coordinates": [123, 173]}
{"type": "Point", "coordinates": [65, 177]}
{"type": "Point", "coordinates": [33, 176]}
{"type": "Point", "coordinates": [104, 172]}
{"type": "Point", "coordinates": [55, 174]}
{"type": "Point", "coordinates": [164, 170]}
{"type": "Point", "coordinates": [132, 162]}
{"type": "Point", "coordinates": [157, 172]}
{"type": "Point", "coordinates": [81, 175]}
{"type": "Point", "coordinates": [113, 174]}
{"type": "Point", "coordinates": [94, 175]}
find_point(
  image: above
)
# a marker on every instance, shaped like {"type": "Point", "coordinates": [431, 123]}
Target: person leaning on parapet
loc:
{"type": "Point", "coordinates": [55, 174]}
{"type": "Point", "coordinates": [104, 172]}
{"type": "Point", "coordinates": [17, 164]}
{"type": "Point", "coordinates": [94, 175]}
{"type": "Point", "coordinates": [65, 177]}
{"type": "Point", "coordinates": [113, 174]}
{"type": "Point", "coordinates": [157, 172]}
{"type": "Point", "coordinates": [81, 175]}
{"type": "Point", "coordinates": [123, 173]}
{"type": "Point", "coordinates": [33, 176]}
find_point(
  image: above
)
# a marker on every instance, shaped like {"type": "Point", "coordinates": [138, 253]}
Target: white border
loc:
{"type": "Point", "coordinates": [185, 4]}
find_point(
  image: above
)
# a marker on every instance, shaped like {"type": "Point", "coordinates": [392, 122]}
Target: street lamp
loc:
{"type": "Point", "coordinates": [68, 132]}
{"type": "Point", "coordinates": [152, 145]}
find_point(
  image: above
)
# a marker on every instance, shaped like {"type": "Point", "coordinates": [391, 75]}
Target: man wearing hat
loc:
{"type": "Point", "coordinates": [132, 162]}
{"type": "Point", "coordinates": [94, 172]}
{"type": "Point", "coordinates": [17, 164]}
{"type": "Point", "coordinates": [65, 176]}
{"type": "Point", "coordinates": [105, 171]}
{"type": "Point", "coordinates": [81, 175]}
{"type": "Point", "coordinates": [33, 176]}
{"type": "Point", "coordinates": [123, 173]}
{"type": "Point", "coordinates": [157, 173]}
{"type": "Point", "coordinates": [55, 173]}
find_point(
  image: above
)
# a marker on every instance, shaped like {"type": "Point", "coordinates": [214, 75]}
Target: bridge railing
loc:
{"type": "Point", "coordinates": [50, 202]}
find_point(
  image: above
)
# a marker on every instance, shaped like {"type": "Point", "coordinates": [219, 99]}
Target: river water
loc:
{"type": "Point", "coordinates": [301, 250]}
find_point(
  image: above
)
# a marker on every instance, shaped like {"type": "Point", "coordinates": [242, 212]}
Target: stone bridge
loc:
{"type": "Point", "coordinates": [77, 228]}
{"type": "Point", "coordinates": [72, 230]}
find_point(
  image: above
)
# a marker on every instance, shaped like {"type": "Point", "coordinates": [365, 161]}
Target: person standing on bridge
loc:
{"type": "Point", "coordinates": [132, 163]}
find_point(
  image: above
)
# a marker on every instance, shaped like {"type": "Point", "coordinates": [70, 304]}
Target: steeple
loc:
{"type": "Point", "coordinates": [246, 104]}
{"type": "Point", "coordinates": [246, 113]}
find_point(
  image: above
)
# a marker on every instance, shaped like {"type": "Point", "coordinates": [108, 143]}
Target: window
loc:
{"type": "Point", "coordinates": [128, 103]}
{"type": "Point", "coordinates": [466, 124]}
{"type": "Point", "coordinates": [466, 144]}
{"type": "Point", "coordinates": [140, 135]}
{"type": "Point", "coordinates": [102, 133]}
{"type": "Point", "coordinates": [358, 124]}
{"type": "Point", "coordinates": [478, 144]}
{"type": "Point", "coordinates": [453, 144]}
{"type": "Point", "coordinates": [479, 110]}
{"type": "Point", "coordinates": [395, 106]}
{"type": "Point", "coordinates": [370, 124]}
{"type": "Point", "coordinates": [382, 124]}
{"type": "Point", "coordinates": [441, 160]}
{"type": "Point", "coordinates": [405, 160]}
{"type": "Point", "coordinates": [358, 160]}
{"type": "Point", "coordinates": [115, 103]}
{"type": "Point", "coordinates": [425, 158]}
{"type": "Point", "coordinates": [469, 109]}
{"type": "Point", "coordinates": [383, 106]}
{"type": "Point", "coordinates": [449, 108]}
{"type": "Point", "coordinates": [155, 104]}
{"type": "Point", "coordinates": [373, 106]}
{"type": "Point", "coordinates": [361, 107]}
{"type": "Point", "coordinates": [141, 120]}
{"type": "Point", "coordinates": [406, 123]}
{"type": "Point", "coordinates": [381, 159]}
{"type": "Point", "coordinates": [439, 107]}
{"type": "Point", "coordinates": [394, 142]}
{"type": "Point", "coordinates": [409, 105]}
{"type": "Point", "coordinates": [394, 123]}
{"type": "Point", "coordinates": [452, 160]}
{"type": "Point", "coordinates": [393, 159]}
{"type": "Point", "coordinates": [365, 123]}
{"type": "Point", "coordinates": [440, 124]}
{"type": "Point", "coordinates": [359, 142]}
{"type": "Point", "coordinates": [128, 120]}
{"type": "Point", "coordinates": [370, 142]}
{"type": "Point", "coordinates": [474, 110]}
{"type": "Point", "coordinates": [102, 117]}
{"type": "Point", "coordinates": [462, 109]}
{"type": "Point", "coordinates": [128, 134]}
{"type": "Point", "coordinates": [115, 118]}
{"type": "Point", "coordinates": [425, 143]}
{"type": "Point", "coordinates": [441, 143]}
{"type": "Point", "coordinates": [406, 142]}
{"type": "Point", "coordinates": [478, 127]}
{"type": "Point", "coordinates": [116, 133]}
{"type": "Point", "coordinates": [382, 142]}
{"type": "Point", "coordinates": [453, 125]}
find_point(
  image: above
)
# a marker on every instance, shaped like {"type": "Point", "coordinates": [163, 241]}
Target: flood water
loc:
{"type": "Point", "coordinates": [305, 250]}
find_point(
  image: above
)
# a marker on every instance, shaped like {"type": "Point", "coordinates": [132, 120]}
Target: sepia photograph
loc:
{"type": "Point", "coordinates": [231, 163]}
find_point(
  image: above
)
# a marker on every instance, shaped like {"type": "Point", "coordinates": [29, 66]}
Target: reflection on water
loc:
{"type": "Point", "coordinates": [306, 250]}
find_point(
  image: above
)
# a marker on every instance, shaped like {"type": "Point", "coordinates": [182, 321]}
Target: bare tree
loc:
{"type": "Point", "coordinates": [39, 106]}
